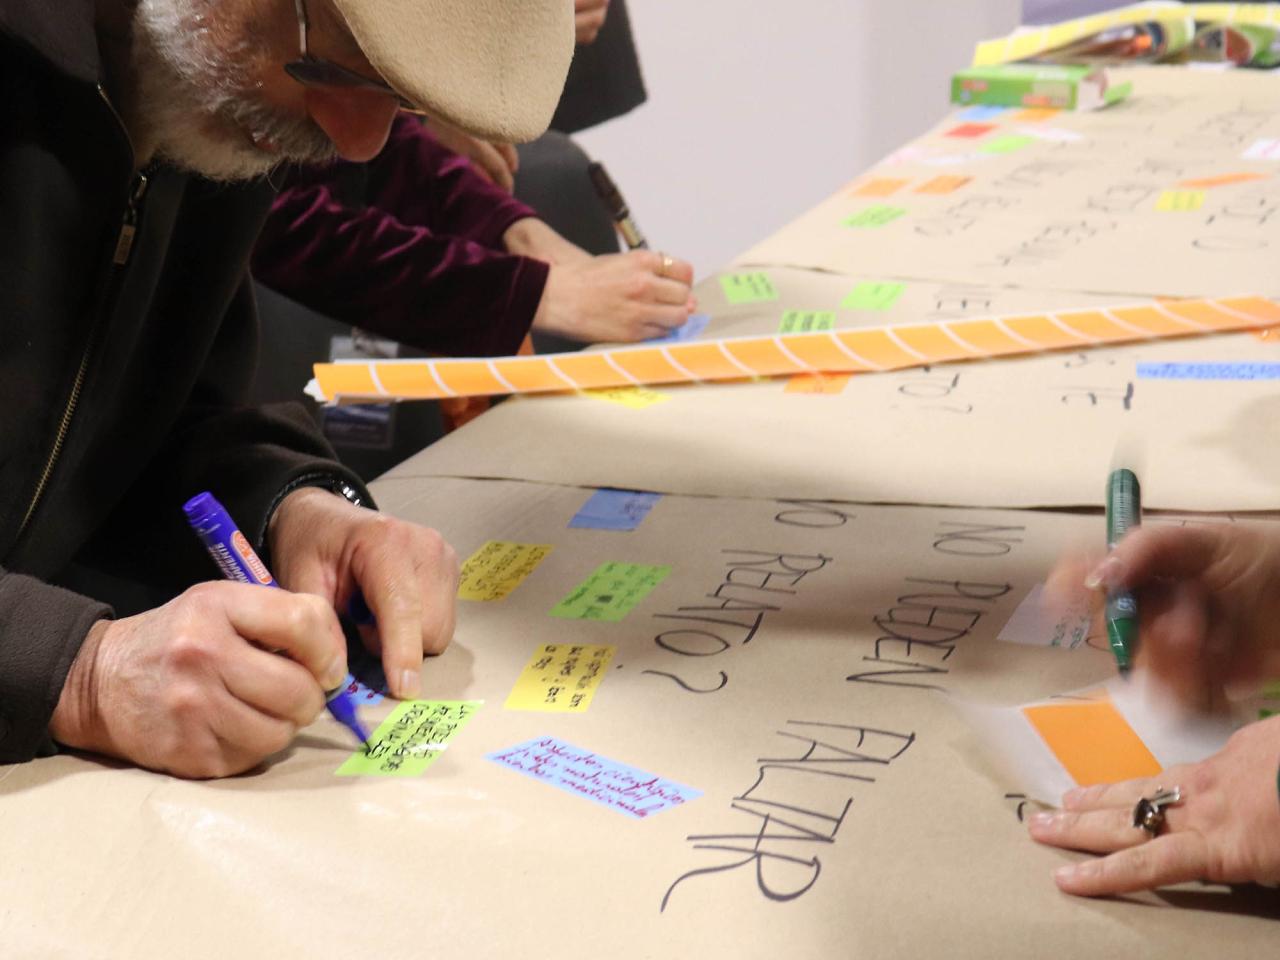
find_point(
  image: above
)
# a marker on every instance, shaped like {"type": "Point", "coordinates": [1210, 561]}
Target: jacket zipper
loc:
{"type": "Point", "coordinates": [119, 259]}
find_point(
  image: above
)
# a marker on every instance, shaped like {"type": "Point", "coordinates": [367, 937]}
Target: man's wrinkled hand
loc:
{"type": "Point", "coordinates": [408, 574]}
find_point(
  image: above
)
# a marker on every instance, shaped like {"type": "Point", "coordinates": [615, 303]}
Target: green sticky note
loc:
{"type": "Point", "coordinates": [610, 592]}
{"type": "Point", "coordinates": [412, 737]}
{"type": "Point", "coordinates": [876, 215]}
{"type": "Point", "coordinates": [748, 287]}
{"type": "Point", "coordinates": [1272, 690]}
{"type": "Point", "coordinates": [1007, 143]}
{"type": "Point", "coordinates": [806, 321]}
{"type": "Point", "coordinates": [870, 295]}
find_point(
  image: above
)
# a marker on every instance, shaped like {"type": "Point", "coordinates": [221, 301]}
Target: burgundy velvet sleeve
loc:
{"type": "Point", "coordinates": [427, 184]}
{"type": "Point", "coordinates": [369, 268]}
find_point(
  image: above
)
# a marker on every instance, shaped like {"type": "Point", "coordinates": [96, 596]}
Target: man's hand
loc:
{"type": "Point", "coordinates": [619, 298]}
{"type": "Point", "coordinates": [323, 545]}
{"type": "Point", "coordinates": [588, 19]}
{"type": "Point", "coordinates": [496, 162]}
{"type": "Point", "coordinates": [191, 687]}
{"type": "Point", "coordinates": [1225, 830]}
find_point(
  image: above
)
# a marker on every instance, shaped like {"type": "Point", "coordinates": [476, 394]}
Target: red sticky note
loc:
{"type": "Point", "coordinates": [971, 130]}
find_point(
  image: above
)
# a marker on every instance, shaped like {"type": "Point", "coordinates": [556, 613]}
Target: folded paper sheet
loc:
{"type": "Point", "coordinates": [775, 707]}
{"type": "Point", "coordinates": [1025, 432]}
{"type": "Point", "coordinates": [864, 350]}
{"type": "Point", "coordinates": [1027, 42]}
{"type": "Point", "coordinates": [1073, 202]}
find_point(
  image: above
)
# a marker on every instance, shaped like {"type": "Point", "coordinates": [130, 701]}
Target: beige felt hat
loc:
{"type": "Point", "coordinates": [493, 67]}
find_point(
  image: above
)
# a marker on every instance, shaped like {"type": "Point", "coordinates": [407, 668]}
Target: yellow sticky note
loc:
{"type": "Point", "coordinates": [561, 678]}
{"type": "Point", "coordinates": [1177, 201]}
{"type": "Point", "coordinates": [1092, 741]}
{"type": "Point", "coordinates": [637, 398]}
{"type": "Point", "coordinates": [499, 567]}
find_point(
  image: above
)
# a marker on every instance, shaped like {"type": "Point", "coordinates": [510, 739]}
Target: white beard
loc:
{"type": "Point", "coordinates": [193, 105]}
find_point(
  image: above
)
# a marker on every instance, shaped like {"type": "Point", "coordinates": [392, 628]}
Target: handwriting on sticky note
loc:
{"type": "Point", "coordinates": [971, 130]}
{"type": "Point", "coordinates": [1037, 623]}
{"type": "Point", "coordinates": [871, 295]}
{"type": "Point", "coordinates": [1093, 741]}
{"type": "Point", "coordinates": [879, 187]}
{"type": "Point", "coordinates": [1009, 143]}
{"type": "Point", "coordinates": [611, 784]}
{"type": "Point", "coordinates": [943, 184]}
{"type": "Point", "coordinates": [637, 398]}
{"type": "Point", "coordinates": [411, 738]}
{"type": "Point", "coordinates": [1239, 370]}
{"type": "Point", "coordinates": [362, 694]}
{"type": "Point", "coordinates": [560, 678]}
{"type": "Point", "coordinates": [877, 215]}
{"type": "Point", "coordinates": [806, 321]}
{"type": "Point", "coordinates": [828, 384]}
{"type": "Point", "coordinates": [610, 592]}
{"type": "Point", "coordinates": [620, 510]}
{"type": "Point", "coordinates": [1180, 201]}
{"type": "Point", "coordinates": [499, 567]}
{"type": "Point", "coordinates": [748, 287]}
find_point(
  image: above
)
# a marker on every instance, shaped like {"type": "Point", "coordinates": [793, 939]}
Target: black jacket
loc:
{"type": "Point", "coordinates": [127, 338]}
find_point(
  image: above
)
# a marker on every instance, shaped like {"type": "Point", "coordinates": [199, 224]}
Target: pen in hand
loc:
{"type": "Point", "coordinates": [235, 557]}
{"type": "Point", "coordinates": [1124, 512]}
{"type": "Point", "coordinates": [611, 196]}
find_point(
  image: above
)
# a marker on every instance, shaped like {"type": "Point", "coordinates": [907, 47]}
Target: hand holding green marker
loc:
{"type": "Point", "coordinates": [1124, 512]}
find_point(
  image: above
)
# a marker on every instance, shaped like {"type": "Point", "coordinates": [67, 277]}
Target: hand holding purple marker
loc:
{"type": "Point", "coordinates": [236, 558]}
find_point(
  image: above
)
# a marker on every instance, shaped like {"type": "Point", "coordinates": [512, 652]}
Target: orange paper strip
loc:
{"type": "Point", "coordinates": [948, 183]}
{"type": "Point", "coordinates": [887, 347]}
{"type": "Point", "coordinates": [814, 383]}
{"type": "Point", "coordinates": [1222, 181]}
{"type": "Point", "coordinates": [1092, 741]}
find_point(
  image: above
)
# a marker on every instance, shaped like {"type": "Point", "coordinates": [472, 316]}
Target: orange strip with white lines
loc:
{"type": "Point", "coordinates": [859, 350]}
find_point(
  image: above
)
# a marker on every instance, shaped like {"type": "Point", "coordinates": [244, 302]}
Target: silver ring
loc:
{"type": "Point", "coordinates": [1148, 813]}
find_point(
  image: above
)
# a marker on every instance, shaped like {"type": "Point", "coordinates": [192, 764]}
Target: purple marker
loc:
{"type": "Point", "coordinates": [236, 558]}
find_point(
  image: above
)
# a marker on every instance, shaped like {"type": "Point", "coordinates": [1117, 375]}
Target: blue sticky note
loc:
{"type": "Point", "coordinates": [361, 695]}
{"type": "Point", "coordinates": [696, 323]}
{"type": "Point", "coordinates": [614, 510]}
{"type": "Point", "coordinates": [981, 112]}
{"type": "Point", "coordinates": [617, 786]}
{"type": "Point", "coordinates": [1209, 371]}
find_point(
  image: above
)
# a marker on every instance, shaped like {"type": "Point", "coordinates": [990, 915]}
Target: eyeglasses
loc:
{"type": "Point", "coordinates": [315, 72]}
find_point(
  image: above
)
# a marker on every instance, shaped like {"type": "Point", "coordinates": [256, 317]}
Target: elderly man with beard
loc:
{"type": "Point", "coordinates": [135, 136]}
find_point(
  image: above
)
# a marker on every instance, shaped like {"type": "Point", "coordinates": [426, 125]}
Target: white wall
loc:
{"type": "Point", "coordinates": [758, 110]}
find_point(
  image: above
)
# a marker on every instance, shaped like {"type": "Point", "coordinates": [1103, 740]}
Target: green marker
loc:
{"type": "Point", "coordinates": [1124, 512]}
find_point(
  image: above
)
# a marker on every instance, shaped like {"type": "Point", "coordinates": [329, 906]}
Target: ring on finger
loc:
{"type": "Point", "coordinates": [1148, 812]}
{"type": "Point", "coordinates": [664, 268]}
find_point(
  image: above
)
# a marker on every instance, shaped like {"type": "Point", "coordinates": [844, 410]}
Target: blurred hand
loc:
{"type": "Point", "coordinates": [588, 19]}
{"type": "Point", "coordinates": [616, 298]}
{"type": "Point", "coordinates": [496, 162]}
{"type": "Point", "coordinates": [1208, 602]}
{"type": "Point", "coordinates": [191, 689]}
{"type": "Point", "coordinates": [1225, 830]}
{"type": "Point", "coordinates": [323, 545]}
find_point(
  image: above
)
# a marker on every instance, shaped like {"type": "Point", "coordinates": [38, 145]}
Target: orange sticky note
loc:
{"type": "Point", "coordinates": [949, 183]}
{"type": "Point", "coordinates": [1035, 114]}
{"type": "Point", "coordinates": [1222, 181]}
{"type": "Point", "coordinates": [880, 187]}
{"type": "Point", "coordinates": [826, 383]}
{"type": "Point", "coordinates": [1092, 741]}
